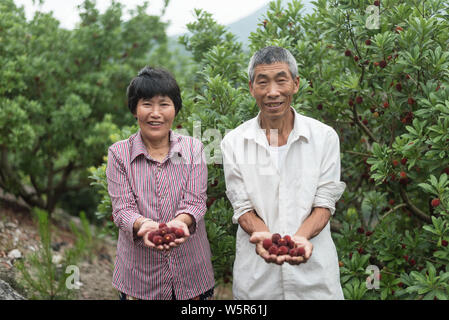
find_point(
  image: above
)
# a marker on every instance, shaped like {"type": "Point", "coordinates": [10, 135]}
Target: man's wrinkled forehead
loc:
{"type": "Point", "coordinates": [272, 70]}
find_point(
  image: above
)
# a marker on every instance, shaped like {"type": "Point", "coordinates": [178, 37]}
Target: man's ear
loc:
{"type": "Point", "coordinates": [251, 87]}
{"type": "Point", "coordinates": [297, 81]}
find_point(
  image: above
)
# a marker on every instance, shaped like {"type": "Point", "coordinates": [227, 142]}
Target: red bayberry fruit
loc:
{"type": "Point", "coordinates": [356, 58]}
{"type": "Point", "coordinates": [348, 53]}
{"type": "Point", "coordinates": [377, 3]}
{"type": "Point", "coordinates": [435, 202]}
{"type": "Point", "coordinates": [301, 251]}
{"type": "Point", "coordinates": [391, 202]}
{"type": "Point", "coordinates": [386, 104]}
{"type": "Point", "coordinates": [406, 257]}
{"type": "Point", "coordinates": [395, 163]}
{"type": "Point", "coordinates": [179, 233]}
{"type": "Point", "coordinates": [162, 225]}
{"type": "Point", "coordinates": [402, 174]}
{"type": "Point", "coordinates": [273, 249]}
{"type": "Point", "coordinates": [158, 240]}
{"type": "Point", "coordinates": [275, 238]}
{"type": "Point", "coordinates": [404, 161]}
{"type": "Point", "coordinates": [291, 244]}
{"type": "Point", "coordinates": [399, 87]}
{"type": "Point", "coordinates": [319, 106]}
{"type": "Point", "coordinates": [267, 243]}
{"type": "Point", "coordinates": [444, 243]}
{"type": "Point", "coordinates": [368, 233]}
{"type": "Point", "coordinates": [282, 250]}
{"type": "Point", "coordinates": [446, 170]}
{"type": "Point", "coordinates": [351, 102]}
{"type": "Point", "coordinates": [412, 262]}
{"type": "Point", "coordinates": [382, 64]}
{"type": "Point", "coordinates": [293, 252]}
{"type": "Point", "coordinates": [360, 230]}
{"type": "Point", "coordinates": [365, 122]}
{"type": "Point", "coordinates": [368, 42]}
{"type": "Point", "coordinates": [359, 99]}
{"type": "Point", "coordinates": [169, 237]}
{"type": "Point", "coordinates": [151, 235]}
{"type": "Point", "coordinates": [282, 242]}
{"type": "Point", "coordinates": [163, 231]}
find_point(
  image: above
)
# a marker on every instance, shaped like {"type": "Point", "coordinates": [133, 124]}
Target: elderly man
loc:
{"type": "Point", "coordinates": [282, 172]}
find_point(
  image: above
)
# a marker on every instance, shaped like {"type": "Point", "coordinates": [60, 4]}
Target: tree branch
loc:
{"type": "Point", "coordinates": [416, 211]}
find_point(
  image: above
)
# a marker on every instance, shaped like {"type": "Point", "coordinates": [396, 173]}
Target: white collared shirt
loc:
{"type": "Point", "coordinates": [283, 197]}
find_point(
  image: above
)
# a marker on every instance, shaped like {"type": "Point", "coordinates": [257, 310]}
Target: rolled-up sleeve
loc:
{"type": "Point", "coordinates": [124, 207]}
{"type": "Point", "coordinates": [235, 186]}
{"type": "Point", "coordinates": [330, 188]}
{"type": "Point", "coordinates": [195, 191]}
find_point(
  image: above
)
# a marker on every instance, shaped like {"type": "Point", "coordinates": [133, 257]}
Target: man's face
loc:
{"type": "Point", "coordinates": [273, 88]}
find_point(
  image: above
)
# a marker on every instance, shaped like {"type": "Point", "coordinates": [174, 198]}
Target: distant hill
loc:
{"type": "Point", "coordinates": [242, 28]}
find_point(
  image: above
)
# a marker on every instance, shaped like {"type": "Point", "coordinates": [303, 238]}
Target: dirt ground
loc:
{"type": "Point", "coordinates": [19, 232]}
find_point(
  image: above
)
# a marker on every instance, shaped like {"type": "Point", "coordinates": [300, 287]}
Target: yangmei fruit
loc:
{"type": "Point", "coordinates": [267, 243]}
{"type": "Point", "coordinates": [283, 250]}
{"type": "Point", "coordinates": [179, 233]}
{"type": "Point", "coordinates": [158, 240]}
{"type": "Point", "coordinates": [275, 238]}
{"type": "Point", "coordinates": [301, 251]}
{"type": "Point", "coordinates": [273, 249]}
{"type": "Point", "coordinates": [169, 237]}
{"type": "Point", "coordinates": [435, 202]}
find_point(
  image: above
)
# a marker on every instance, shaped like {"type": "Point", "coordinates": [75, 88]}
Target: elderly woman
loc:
{"type": "Point", "coordinates": [157, 176]}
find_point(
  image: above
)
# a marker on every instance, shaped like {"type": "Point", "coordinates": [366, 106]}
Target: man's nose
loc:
{"type": "Point", "coordinates": [273, 91]}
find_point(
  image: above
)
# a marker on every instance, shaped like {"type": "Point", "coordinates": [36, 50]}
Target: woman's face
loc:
{"type": "Point", "coordinates": [155, 117]}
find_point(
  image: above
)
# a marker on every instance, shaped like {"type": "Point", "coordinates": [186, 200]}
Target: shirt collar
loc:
{"type": "Point", "coordinates": [300, 129]}
{"type": "Point", "coordinates": [138, 147]}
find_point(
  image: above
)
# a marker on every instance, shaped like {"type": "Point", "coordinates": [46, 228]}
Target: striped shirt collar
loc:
{"type": "Point", "coordinates": [138, 147]}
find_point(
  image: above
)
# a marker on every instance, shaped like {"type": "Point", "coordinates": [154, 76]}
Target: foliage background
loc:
{"type": "Point", "coordinates": [385, 91]}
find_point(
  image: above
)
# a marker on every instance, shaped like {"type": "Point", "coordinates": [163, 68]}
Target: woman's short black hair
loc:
{"type": "Point", "coordinates": [151, 82]}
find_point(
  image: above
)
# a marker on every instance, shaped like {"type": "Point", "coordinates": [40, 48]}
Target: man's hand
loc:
{"type": "Point", "coordinates": [308, 247]}
{"type": "Point", "coordinates": [257, 238]}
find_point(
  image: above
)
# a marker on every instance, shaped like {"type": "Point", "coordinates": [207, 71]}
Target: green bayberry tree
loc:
{"type": "Point", "coordinates": [62, 94]}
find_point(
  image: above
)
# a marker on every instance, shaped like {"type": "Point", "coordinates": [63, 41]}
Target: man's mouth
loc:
{"type": "Point", "coordinates": [273, 105]}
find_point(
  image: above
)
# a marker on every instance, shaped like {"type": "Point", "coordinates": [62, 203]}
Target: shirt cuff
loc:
{"type": "Point", "coordinates": [328, 194]}
{"type": "Point", "coordinates": [127, 225]}
{"type": "Point", "coordinates": [240, 205]}
{"type": "Point", "coordinates": [192, 227]}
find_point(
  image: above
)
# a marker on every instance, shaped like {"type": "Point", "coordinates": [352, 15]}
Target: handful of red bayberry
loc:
{"type": "Point", "coordinates": [279, 246]}
{"type": "Point", "coordinates": [165, 234]}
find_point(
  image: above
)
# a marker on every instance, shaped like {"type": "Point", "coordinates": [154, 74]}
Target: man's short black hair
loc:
{"type": "Point", "coordinates": [151, 82]}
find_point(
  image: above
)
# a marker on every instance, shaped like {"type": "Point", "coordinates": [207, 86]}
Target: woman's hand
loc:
{"type": "Point", "coordinates": [151, 226]}
{"type": "Point", "coordinates": [145, 229]}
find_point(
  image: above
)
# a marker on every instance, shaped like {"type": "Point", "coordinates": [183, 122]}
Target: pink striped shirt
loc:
{"type": "Point", "coordinates": [140, 186]}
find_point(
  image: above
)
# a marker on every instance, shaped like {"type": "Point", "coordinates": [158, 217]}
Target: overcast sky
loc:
{"type": "Point", "coordinates": [179, 12]}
